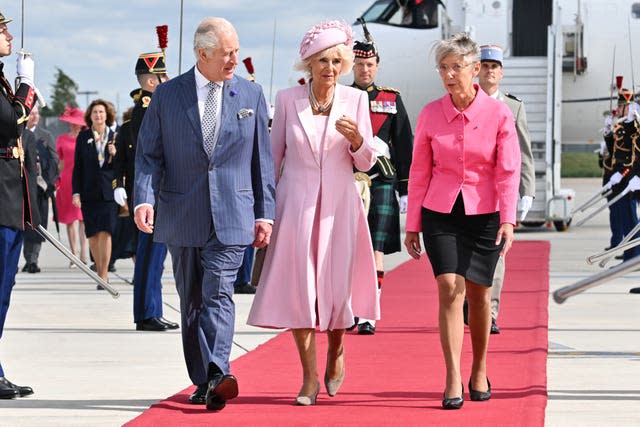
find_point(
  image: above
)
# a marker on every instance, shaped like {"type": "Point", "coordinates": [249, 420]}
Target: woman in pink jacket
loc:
{"type": "Point", "coordinates": [463, 192]}
{"type": "Point", "coordinates": [319, 269]}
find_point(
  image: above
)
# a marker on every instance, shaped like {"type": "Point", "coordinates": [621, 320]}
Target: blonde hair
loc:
{"type": "Point", "coordinates": [343, 51]}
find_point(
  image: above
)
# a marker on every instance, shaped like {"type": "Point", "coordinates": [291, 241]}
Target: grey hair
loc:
{"type": "Point", "coordinates": [206, 35]}
{"type": "Point", "coordinates": [342, 50]}
{"type": "Point", "coordinates": [459, 44]}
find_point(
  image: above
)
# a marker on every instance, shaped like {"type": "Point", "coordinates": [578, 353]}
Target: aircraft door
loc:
{"type": "Point", "coordinates": [530, 22]}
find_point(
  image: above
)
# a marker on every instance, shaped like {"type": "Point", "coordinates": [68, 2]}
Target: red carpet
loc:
{"type": "Point", "coordinates": [396, 377]}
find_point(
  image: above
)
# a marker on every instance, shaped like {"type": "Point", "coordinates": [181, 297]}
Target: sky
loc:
{"type": "Point", "coordinates": [97, 42]}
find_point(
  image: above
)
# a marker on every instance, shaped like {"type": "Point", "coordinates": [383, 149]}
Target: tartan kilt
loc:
{"type": "Point", "coordinates": [384, 218]}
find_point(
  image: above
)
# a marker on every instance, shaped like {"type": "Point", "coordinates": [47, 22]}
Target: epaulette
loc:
{"type": "Point", "coordinates": [135, 94]}
{"type": "Point", "coordinates": [145, 101]}
{"type": "Point", "coordinates": [387, 89]}
{"type": "Point", "coordinates": [513, 97]}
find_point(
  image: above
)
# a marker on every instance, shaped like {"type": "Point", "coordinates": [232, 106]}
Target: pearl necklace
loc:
{"type": "Point", "coordinates": [321, 108]}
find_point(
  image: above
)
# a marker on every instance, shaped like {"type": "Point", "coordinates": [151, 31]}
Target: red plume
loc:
{"type": "Point", "coordinates": [162, 31]}
{"type": "Point", "coordinates": [618, 82]}
{"type": "Point", "coordinates": [301, 81]}
{"type": "Point", "coordinates": [248, 64]}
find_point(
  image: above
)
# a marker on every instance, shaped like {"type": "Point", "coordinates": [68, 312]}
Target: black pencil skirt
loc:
{"type": "Point", "coordinates": [462, 244]}
{"type": "Point", "coordinates": [99, 216]}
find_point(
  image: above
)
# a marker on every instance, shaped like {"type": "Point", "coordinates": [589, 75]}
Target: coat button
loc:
{"type": "Point", "coordinates": [460, 137]}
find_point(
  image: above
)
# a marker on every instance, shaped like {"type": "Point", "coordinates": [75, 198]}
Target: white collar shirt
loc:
{"type": "Point", "coordinates": [202, 91]}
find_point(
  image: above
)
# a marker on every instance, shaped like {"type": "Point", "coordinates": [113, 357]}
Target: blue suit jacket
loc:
{"type": "Point", "coordinates": [234, 187]}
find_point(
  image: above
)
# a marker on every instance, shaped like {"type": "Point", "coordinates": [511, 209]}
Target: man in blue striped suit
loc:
{"type": "Point", "coordinates": [204, 159]}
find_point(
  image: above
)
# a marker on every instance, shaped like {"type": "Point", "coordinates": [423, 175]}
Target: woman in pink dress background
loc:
{"type": "Point", "coordinates": [68, 214]}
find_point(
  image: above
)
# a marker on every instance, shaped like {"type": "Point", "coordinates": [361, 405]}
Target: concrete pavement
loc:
{"type": "Point", "coordinates": [78, 349]}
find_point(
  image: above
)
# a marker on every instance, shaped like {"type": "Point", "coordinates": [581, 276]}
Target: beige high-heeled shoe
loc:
{"type": "Point", "coordinates": [303, 400]}
{"type": "Point", "coordinates": [333, 386]}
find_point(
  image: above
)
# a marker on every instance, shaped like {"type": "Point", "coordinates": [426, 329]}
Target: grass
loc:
{"type": "Point", "coordinates": [580, 165]}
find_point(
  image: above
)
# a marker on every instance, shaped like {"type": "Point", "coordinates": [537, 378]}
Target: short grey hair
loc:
{"type": "Point", "coordinates": [459, 44]}
{"type": "Point", "coordinates": [206, 35]}
{"type": "Point", "coordinates": [342, 50]}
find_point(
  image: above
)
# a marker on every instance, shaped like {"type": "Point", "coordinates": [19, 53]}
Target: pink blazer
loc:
{"type": "Point", "coordinates": [475, 152]}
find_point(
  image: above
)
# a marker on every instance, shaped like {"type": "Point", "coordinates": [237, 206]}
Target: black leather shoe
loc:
{"type": "Point", "coordinates": [26, 267]}
{"type": "Point", "coordinates": [20, 390]}
{"type": "Point", "coordinates": [634, 291]}
{"type": "Point", "coordinates": [494, 327]}
{"type": "Point", "coordinates": [246, 288]}
{"type": "Point", "coordinates": [453, 402]}
{"type": "Point", "coordinates": [170, 324]}
{"type": "Point", "coordinates": [112, 268]}
{"type": "Point", "coordinates": [220, 389]}
{"type": "Point", "coordinates": [199, 397]}
{"type": "Point", "coordinates": [8, 392]}
{"type": "Point", "coordinates": [366, 328]}
{"type": "Point", "coordinates": [93, 267]}
{"type": "Point", "coordinates": [33, 268]}
{"type": "Point", "coordinates": [465, 312]}
{"type": "Point", "coordinates": [355, 323]}
{"type": "Point", "coordinates": [479, 396]}
{"type": "Point", "coordinates": [100, 287]}
{"type": "Point", "coordinates": [151, 324]}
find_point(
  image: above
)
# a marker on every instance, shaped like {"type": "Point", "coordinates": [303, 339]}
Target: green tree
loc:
{"type": "Point", "coordinates": [64, 93]}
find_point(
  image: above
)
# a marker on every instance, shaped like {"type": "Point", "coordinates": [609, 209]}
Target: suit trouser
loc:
{"type": "Point", "coordinates": [204, 280]}
{"type": "Point", "coordinates": [147, 278]}
{"type": "Point", "coordinates": [625, 214]}
{"type": "Point", "coordinates": [244, 273]}
{"type": "Point", "coordinates": [496, 287]}
{"type": "Point", "coordinates": [10, 245]}
{"type": "Point", "coordinates": [31, 251]}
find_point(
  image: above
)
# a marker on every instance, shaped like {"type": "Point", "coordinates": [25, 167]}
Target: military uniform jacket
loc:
{"type": "Point", "coordinates": [527, 166]}
{"type": "Point", "coordinates": [391, 124]}
{"type": "Point", "coordinates": [16, 194]}
{"type": "Point", "coordinates": [124, 162]}
{"type": "Point", "coordinates": [620, 143]}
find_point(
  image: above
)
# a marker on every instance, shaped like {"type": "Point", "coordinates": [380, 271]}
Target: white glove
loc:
{"type": "Point", "coordinates": [602, 149]}
{"type": "Point", "coordinates": [615, 179]}
{"type": "Point", "coordinates": [634, 184]}
{"type": "Point", "coordinates": [608, 125]}
{"type": "Point", "coordinates": [524, 204]}
{"type": "Point", "coordinates": [632, 114]}
{"type": "Point", "coordinates": [120, 196]}
{"type": "Point", "coordinates": [25, 68]}
{"type": "Point", "coordinates": [404, 202]}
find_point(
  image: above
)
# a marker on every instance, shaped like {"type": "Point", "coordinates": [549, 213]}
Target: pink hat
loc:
{"type": "Point", "coordinates": [73, 115]}
{"type": "Point", "coordinates": [324, 35]}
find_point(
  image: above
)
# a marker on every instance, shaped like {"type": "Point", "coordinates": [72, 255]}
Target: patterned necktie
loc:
{"type": "Point", "coordinates": [209, 118]}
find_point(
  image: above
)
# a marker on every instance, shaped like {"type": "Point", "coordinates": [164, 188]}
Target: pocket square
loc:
{"type": "Point", "coordinates": [245, 112]}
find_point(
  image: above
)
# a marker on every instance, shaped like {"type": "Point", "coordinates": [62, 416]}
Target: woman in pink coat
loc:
{"type": "Point", "coordinates": [463, 192]}
{"type": "Point", "coordinates": [319, 269]}
{"type": "Point", "coordinates": [67, 213]}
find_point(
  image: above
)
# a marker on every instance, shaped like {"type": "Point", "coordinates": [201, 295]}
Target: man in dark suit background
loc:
{"type": "Point", "coordinates": [47, 173]}
{"type": "Point", "coordinates": [204, 157]}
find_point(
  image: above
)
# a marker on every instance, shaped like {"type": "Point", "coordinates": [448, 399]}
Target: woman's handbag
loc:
{"type": "Point", "coordinates": [363, 184]}
{"type": "Point", "coordinates": [258, 262]}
